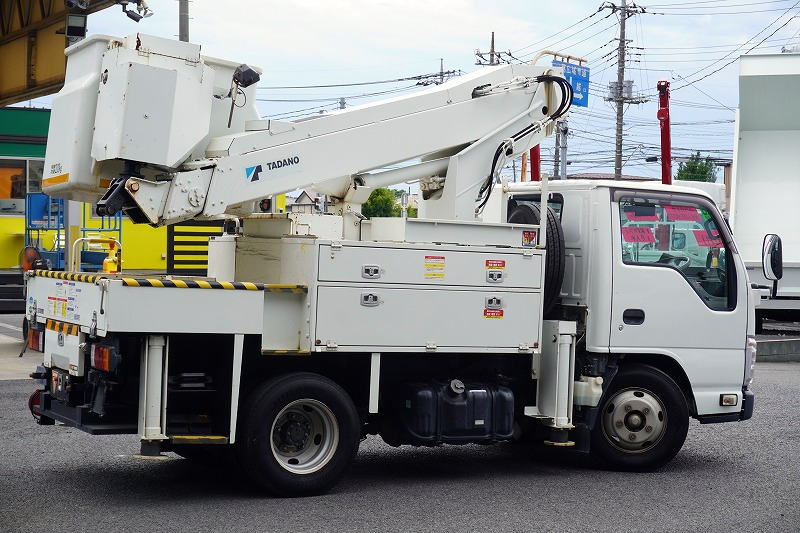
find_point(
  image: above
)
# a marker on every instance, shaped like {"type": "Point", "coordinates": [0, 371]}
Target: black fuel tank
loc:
{"type": "Point", "coordinates": [456, 412]}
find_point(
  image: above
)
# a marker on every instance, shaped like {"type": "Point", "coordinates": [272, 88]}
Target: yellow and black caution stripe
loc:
{"type": "Point", "coordinates": [202, 284]}
{"type": "Point", "coordinates": [69, 276]}
{"type": "Point", "coordinates": [199, 439]}
{"type": "Point", "coordinates": [178, 283]}
{"type": "Point", "coordinates": [63, 327]}
{"type": "Point", "coordinates": [285, 352]}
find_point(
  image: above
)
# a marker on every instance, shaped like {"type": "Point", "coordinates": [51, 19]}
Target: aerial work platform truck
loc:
{"type": "Point", "coordinates": [558, 312]}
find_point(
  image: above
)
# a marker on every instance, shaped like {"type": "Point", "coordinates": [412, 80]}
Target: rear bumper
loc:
{"type": "Point", "coordinates": [79, 417]}
{"type": "Point", "coordinates": [748, 401]}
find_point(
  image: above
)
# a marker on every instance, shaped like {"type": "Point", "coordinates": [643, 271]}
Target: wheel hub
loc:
{"type": "Point", "coordinates": [294, 433]}
{"type": "Point", "coordinates": [305, 435]}
{"type": "Point", "coordinates": [634, 420]}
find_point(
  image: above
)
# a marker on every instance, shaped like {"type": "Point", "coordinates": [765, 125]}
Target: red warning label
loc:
{"type": "Point", "coordinates": [492, 313]}
{"type": "Point", "coordinates": [495, 264]}
{"type": "Point", "coordinates": [529, 238]}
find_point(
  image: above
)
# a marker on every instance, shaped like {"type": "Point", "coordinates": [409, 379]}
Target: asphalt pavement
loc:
{"type": "Point", "coordinates": [729, 477]}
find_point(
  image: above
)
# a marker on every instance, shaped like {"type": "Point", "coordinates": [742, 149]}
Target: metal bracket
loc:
{"type": "Point", "coordinates": [493, 302]}
{"type": "Point", "coordinates": [93, 326]}
{"type": "Point", "coordinates": [370, 271]}
{"type": "Point", "coordinates": [331, 346]}
{"type": "Point", "coordinates": [369, 299]}
{"type": "Point", "coordinates": [494, 276]}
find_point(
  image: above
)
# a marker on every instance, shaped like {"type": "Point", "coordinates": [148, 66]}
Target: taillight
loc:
{"type": "Point", "coordinates": [35, 404]}
{"type": "Point", "coordinates": [36, 340]}
{"type": "Point", "coordinates": [104, 357]}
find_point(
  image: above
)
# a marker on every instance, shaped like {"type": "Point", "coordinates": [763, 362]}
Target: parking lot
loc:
{"type": "Point", "coordinates": [737, 476]}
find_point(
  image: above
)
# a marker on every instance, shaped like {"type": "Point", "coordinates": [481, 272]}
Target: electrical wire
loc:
{"type": "Point", "coordinates": [557, 33]}
{"type": "Point", "coordinates": [736, 59]}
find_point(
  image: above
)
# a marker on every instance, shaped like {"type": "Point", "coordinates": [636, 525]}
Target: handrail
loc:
{"type": "Point", "coordinates": [557, 55]}
{"type": "Point", "coordinates": [76, 258]}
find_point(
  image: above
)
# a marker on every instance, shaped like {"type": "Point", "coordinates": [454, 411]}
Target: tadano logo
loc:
{"type": "Point", "coordinates": [253, 173]}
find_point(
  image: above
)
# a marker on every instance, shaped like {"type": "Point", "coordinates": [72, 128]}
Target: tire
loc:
{"type": "Point", "coordinates": [299, 436]}
{"type": "Point", "coordinates": [650, 433]}
{"type": "Point", "coordinates": [528, 213]}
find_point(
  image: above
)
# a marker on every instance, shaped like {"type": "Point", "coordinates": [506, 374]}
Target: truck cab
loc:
{"type": "Point", "coordinates": [653, 276]}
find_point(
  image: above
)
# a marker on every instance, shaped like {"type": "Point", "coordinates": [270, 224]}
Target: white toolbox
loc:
{"type": "Point", "coordinates": [386, 297]}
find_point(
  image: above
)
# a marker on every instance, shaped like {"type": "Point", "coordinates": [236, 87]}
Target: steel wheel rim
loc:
{"type": "Point", "coordinates": [634, 420]}
{"type": "Point", "coordinates": [304, 436]}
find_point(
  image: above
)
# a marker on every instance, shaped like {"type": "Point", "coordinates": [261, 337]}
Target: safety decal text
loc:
{"type": "Point", "coordinates": [434, 266]}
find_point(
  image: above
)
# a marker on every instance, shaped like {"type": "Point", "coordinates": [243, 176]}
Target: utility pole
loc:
{"type": "Point", "coordinates": [441, 70]}
{"type": "Point", "coordinates": [495, 57]}
{"type": "Point", "coordinates": [564, 129]}
{"type": "Point", "coordinates": [619, 90]}
{"type": "Point", "coordinates": [623, 15]}
{"type": "Point", "coordinates": [183, 20]}
{"type": "Point", "coordinates": [557, 153]}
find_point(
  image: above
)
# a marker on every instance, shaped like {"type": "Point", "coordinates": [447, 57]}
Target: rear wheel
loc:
{"type": "Point", "coordinates": [643, 421]}
{"type": "Point", "coordinates": [300, 435]}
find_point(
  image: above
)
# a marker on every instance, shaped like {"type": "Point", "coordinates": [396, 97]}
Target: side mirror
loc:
{"type": "Point", "coordinates": [772, 257]}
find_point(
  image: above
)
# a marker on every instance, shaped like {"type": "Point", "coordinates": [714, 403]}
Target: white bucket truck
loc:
{"type": "Point", "coordinates": [476, 323]}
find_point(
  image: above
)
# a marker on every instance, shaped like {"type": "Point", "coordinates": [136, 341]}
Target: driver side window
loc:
{"type": "Point", "coordinates": [680, 235]}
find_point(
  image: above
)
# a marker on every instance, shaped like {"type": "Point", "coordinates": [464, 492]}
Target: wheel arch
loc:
{"type": "Point", "coordinates": [668, 365]}
{"type": "Point", "coordinates": [349, 371]}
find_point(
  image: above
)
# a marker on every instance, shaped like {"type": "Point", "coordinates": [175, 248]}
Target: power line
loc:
{"type": "Point", "coordinates": [697, 6]}
{"type": "Point", "coordinates": [557, 33]}
{"type": "Point", "coordinates": [749, 50]}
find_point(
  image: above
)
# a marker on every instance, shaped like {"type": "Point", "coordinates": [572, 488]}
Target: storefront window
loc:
{"type": "Point", "coordinates": [13, 182]}
{"type": "Point", "coordinates": [35, 171]}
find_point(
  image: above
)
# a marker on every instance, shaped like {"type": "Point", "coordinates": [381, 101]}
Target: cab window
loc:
{"type": "Point", "coordinates": [681, 235]}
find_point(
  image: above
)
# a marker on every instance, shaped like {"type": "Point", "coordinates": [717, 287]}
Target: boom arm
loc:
{"type": "Point", "coordinates": [454, 137]}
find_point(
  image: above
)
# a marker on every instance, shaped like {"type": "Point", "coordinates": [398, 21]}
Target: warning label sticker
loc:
{"type": "Point", "coordinates": [495, 264]}
{"type": "Point", "coordinates": [529, 238]}
{"type": "Point", "coordinates": [434, 266]}
{"type": "Point", "coordinates": [492, 313]}
{"type": "Point", "coordinates": [57, 306]}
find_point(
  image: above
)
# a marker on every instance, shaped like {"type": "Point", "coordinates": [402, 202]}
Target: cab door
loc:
{"type": "Point", "coordinates": [679, 289]}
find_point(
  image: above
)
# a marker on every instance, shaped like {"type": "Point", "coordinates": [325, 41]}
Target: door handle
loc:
{"type": "Point", "coordinates": [633, 317]}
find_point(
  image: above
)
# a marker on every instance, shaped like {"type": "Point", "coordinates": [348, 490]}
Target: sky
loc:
{"type": "Point", "coordinates": [318, 42]}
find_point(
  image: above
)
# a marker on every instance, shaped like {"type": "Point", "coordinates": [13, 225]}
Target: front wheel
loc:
{"type": "Point", "coordinates": [300, 434]}
{"type": "Point", "coordinates": [643, 420]}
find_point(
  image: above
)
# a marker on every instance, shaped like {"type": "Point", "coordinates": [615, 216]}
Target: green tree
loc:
{"type": "Point", "coordinates": [385, 202]}
{"type": "Point", "coordinates": [697, 169]}
{"type": "Point", "coordinates": [381, 203]}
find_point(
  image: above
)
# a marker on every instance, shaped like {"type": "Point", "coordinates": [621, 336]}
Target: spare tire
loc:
{"type": "Point", "coordinates": [528, 213]}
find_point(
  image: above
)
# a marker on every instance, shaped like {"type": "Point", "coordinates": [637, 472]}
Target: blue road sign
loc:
{"type": "Point", "coordinates": [578, 77]}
